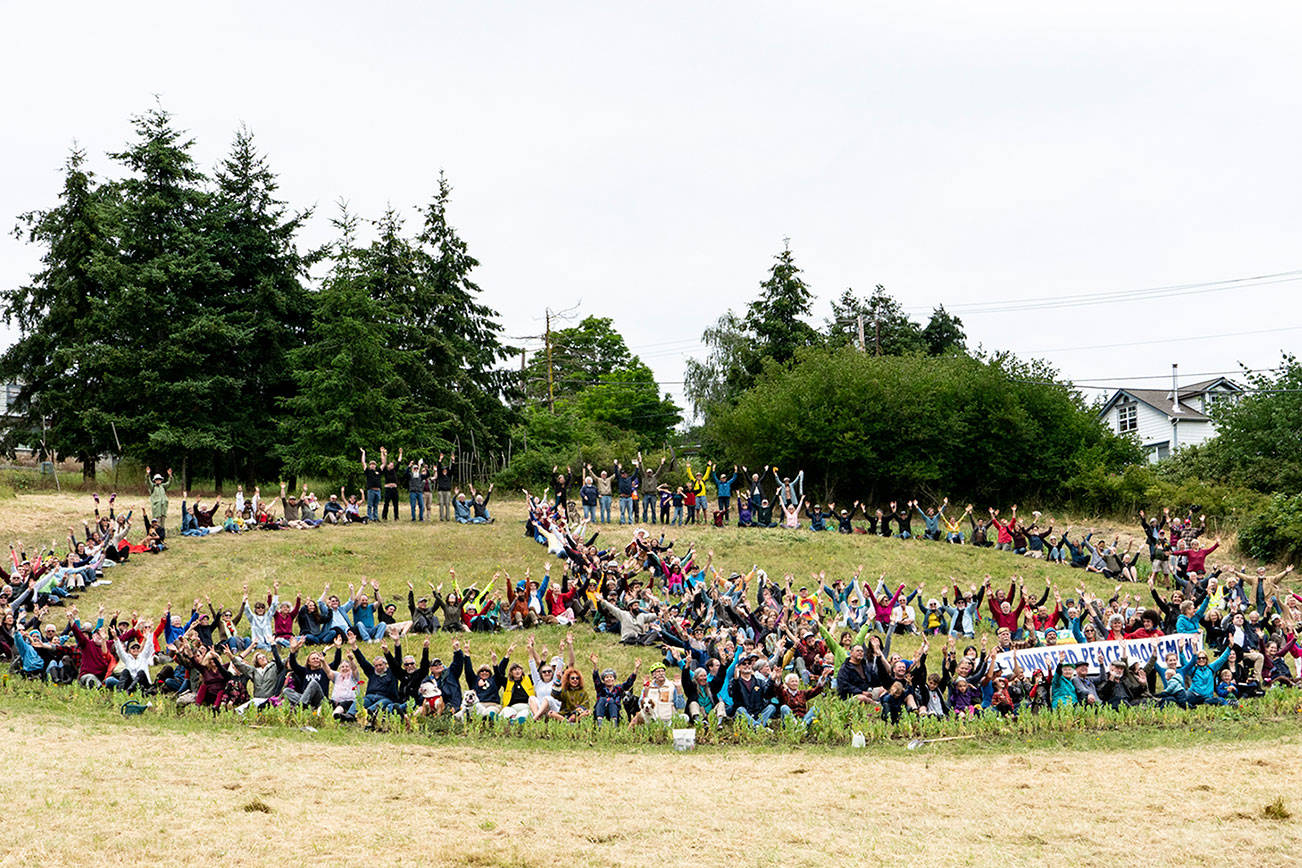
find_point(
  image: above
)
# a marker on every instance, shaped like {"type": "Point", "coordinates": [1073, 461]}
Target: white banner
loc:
{"type": "Point", "coordinates": [1100, 654]}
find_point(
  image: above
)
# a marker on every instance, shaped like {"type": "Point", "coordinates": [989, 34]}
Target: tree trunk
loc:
{"type": "Point", "coordinates": [217, 471]}
{"type": "Point", "coordinates": [87, 467]}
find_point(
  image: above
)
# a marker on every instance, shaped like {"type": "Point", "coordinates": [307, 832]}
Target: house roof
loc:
{"type": "Point", "coordinates": [1160, 399]}
{"type": "Point", "coordinates": [1205, 385]}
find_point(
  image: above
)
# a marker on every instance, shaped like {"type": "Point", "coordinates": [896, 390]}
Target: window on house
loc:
{"type": "Point", "coordinates": [1158, 451]}
{"type": "Point", "coordinates": [1212, 399]}
{"type": "Point", "coordinates": [1127, 418]}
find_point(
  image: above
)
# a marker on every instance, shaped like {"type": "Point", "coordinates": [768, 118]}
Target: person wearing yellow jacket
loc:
{"type": "Point", "coordinates": [698, 488]}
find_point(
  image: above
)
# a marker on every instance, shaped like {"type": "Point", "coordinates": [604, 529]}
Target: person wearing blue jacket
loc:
{"type": "Point", "coordinates": [1200, 677]}
{"type": "Point", "coordinates": [1190, 618]}
{"type": "Point", "coordinates": [723, 489]}
{"type": "Point", "coordinates": [32, 664]}
{"type": "Point", "coordinates": [334, 614]}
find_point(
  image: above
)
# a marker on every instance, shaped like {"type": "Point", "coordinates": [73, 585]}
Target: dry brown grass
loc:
{"type": "Point", "coordinates": [118, 800]}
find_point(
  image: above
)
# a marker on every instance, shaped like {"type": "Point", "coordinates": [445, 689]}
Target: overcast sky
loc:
{"type": "Point", "coordinates": [647, 160]}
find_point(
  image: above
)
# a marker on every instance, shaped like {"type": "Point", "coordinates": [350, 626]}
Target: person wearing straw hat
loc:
{"type": "Point", "coordinates": [158, 498]}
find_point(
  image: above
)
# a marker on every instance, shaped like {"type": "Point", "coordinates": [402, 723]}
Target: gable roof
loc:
{"type": "Point", "coordinates": [1160, 400]}
{"type": "Point", "coordinates": [1205, 386]}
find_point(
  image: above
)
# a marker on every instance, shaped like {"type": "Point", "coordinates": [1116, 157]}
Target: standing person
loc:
{"type": "Point", "coordinates": [626, 515]}
{"type": "Point", "coordinates": [373, 477]}
{"type": "Point", "coordinates": [443, 485]}
{"type": "Point", "coordinates": [790, 490]}
{"type": "Point", "coordinates": [723, 489]}
{"type": "Point", "coordinates": [649, 488]}
{"type": "Point", "coordinates": [416, 476]}
{"type": "Point", "coordinates": [605, 492]}
{"type": "Point", "coordinates": [698, 488]}
{"type": "Point", "coordinates": [158, 498]}
{"type": "Point", "coordinates": [755, 486]}
{"type": "Point", "coordinates": [390, 472]}
{"type": "Point", "coordinates": [588, 497]}
{"type": "Point", "coordinates": [562, 483]}
{"type": "Point", "coordinates": [425, 491]}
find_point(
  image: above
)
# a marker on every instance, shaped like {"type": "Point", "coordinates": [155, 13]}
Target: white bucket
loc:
{"type": "Point", "coordinates": [684, 739]}
{"type": "Point", "coordinates": [857, 740]}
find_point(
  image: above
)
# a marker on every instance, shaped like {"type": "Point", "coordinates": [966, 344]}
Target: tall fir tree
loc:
{"type": "Point", "coordinates": [351, 395]}
{"type": "Point", "coordinates": [469, 386]}
{"type": "Point", "coordinates": [772, 330]}
{"type": "Point", "coordinates": [263, 301]}
{"type": "Point", "coordinates": [58, 318]}
{"type": "Point", "coordinates": [776, 317]}
{"type": "Point", "coordinates": [167, 373]}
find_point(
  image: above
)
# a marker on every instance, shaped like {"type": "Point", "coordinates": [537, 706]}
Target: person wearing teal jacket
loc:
{"type": "Point", "coordinates": [1188, 622]}
{"type": "Point", "coordinates": [1200, 676]}
{"type": "Point", "coordinates": [1062, 692]}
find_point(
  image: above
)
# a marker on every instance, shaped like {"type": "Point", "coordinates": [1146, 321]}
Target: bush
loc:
{"type": "Point", "coordinates": [1275, 533]}
{"type": "Point", "coordinates": [1094, 490]}
{"type": "Point", "coordinates": [893, 426]}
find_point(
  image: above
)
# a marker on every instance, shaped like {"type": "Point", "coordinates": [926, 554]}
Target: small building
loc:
{"type": "Point", "coordinates": [1163, 420]}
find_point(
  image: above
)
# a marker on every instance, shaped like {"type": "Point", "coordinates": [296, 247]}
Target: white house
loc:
{"type": "Point", "coordinates": [1163, 421]}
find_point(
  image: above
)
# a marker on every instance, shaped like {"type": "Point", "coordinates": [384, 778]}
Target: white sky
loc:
{"type": "Point", "coordinates": [648, 160]}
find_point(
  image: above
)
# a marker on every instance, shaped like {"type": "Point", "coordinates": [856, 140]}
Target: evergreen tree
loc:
{"type": "Point", "coordinates": [775, 317]}
{"type": "Point", "coordinates": [469, 386]}
{"type": "Point", "coordinates": [350, 394]}
{"type": "Point", "coordinates": [166, 382]}
{"type": "Point", "coordinates": [943, 333]}
{"type": "Point", "coordinates": [57, 315]}
{"type": "Point", "coordinates": [263, 301]}
{"type": "Point", "coordinates": [771, 331]}
{"type": "Point", "coordinates": [888, 331]}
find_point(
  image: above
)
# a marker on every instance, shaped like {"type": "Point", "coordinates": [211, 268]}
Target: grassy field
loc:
{"type": "Point", "coordinates": [397, 553]}
{"type": "Point", "coordinates": [1205, 788]}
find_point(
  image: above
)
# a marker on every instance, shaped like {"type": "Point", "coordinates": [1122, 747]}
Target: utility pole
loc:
{"type": "Point", "coordinates": [862, 346]}
{"type": "Point", "coordinates": [551, 385]}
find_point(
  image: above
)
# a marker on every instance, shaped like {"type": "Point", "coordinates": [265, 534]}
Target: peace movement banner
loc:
{"type": "Point", "coordinates": [1100, 654]}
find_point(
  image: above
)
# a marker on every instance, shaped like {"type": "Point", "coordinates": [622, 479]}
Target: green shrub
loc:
{"type": "Point", "coordinates": [1275, 533]}
{"type": "Point", "coordinates": [1094, 490]}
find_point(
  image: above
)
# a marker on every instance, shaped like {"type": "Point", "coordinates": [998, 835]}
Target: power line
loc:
{"type": "Point", "coordinates": [1054, 302]}
{"type": "Point", "coordinates": [1170, 340]}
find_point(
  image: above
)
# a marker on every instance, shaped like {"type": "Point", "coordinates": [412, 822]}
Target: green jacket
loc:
{"type": "Point", "coordinates": [158, 497]}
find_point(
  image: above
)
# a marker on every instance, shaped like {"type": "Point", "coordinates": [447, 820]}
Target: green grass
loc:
{"type": "Point", "coordinates": [394, 554]}
{"type": "Point", "coordinates": [1269, 718]}
{"type": "Point", "coordinates": [397, 553]}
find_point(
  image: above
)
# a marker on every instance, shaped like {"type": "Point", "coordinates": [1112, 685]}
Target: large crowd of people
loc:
{"type": "Point", "coordinates": [741, 647]}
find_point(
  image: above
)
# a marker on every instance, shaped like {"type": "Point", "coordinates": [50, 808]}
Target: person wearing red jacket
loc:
{"type": "Point", "coordinates": [1151, 626]}
{"type": "Point", "coordinates": [96, 659]}
{"type": "Point", "coordinates": [1004, 537]}
{"type": "Point", "coordinates": [558, 604]}
{"type": "Point", "coordinates": [793, 701]}
{"type": "Point", "coordinates": [1003, 613]}
{"type": "Point", "coordinates": [1197, 556]}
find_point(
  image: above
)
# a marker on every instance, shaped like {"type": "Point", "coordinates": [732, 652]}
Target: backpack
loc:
{"type": "Point", "coordinates": [718, 518]}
